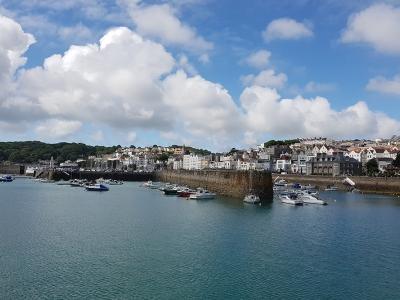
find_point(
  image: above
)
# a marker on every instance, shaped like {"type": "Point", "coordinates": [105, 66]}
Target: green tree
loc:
{"type": "Point", "coordinates": [372, 167]}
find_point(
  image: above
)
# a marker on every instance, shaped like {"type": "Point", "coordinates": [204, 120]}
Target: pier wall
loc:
{"type": "Point", "coordinates": [224, 182]}
{"type": "Point", "coordinates": [12, 169]}
{"type": "Point", "coordinates": [125, 176]}
{"type": "Point", "coordinates": [379, 185]}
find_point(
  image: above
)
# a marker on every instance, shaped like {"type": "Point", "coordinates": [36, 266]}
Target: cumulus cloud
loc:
{"type": "Point", "coordinates": [259, 59]}
{"type": "Point", "coordinates": [168, 28]}
{"type": "Point", "coordinates": [266, 111]}
{"type": "Point", "coordinates": [286, 29]}
{"type": "Point", "coordinates": [206, 108]}
{"type": "Point", "coordinates": [266, 78]}
{"type": "Point", "coordinates": [128, 83]}
{"type": "Point", "coordinates": [377, 26]}
{"type": "Point", "coordinates": [55, 129]}
{"type": "Point", "coordinates": [384, 85]}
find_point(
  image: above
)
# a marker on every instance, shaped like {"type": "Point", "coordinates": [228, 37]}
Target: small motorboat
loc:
{"type": "Point", "coordinates": [308, 198]}
{"type": "Point", "coordinates": [186, 192]}
{"type": "Point", "coordinates": [98, 187]}
{"type": "Point", "coordinates": [170, 191]}
{"type": "Point", "coordinates": [150, 184]}
{"type": "Point", "coordinates": [291, 199]}
{"type": "Point", "coordinates": [6, 178]}
{"type": "Point", "coordinates": [252, 199]}
{"type": "Point", "coordinates": [202, 194]}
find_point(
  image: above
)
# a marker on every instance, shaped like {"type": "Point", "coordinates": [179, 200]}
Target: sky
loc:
{"type": "Point", "coordinates": [213, 74]}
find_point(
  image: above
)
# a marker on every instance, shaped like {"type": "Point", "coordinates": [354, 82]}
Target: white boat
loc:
{"type": "Point", "coordinates": [150, 184]}
{"type": "Point", "coordinates": [252, 199]}
{"type": "Point", "coordinates": [98, 187]}
{"type": "Point", "coordinates": [310, 199]}
{"type": "Point", "coordinates": [291, 199]}
{"type": "Point", "coordinates": [202, 194]}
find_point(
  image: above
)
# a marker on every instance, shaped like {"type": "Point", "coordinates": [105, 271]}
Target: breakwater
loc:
{"type": "Point", "coordinates": [224, 182]}
{"type": "Point", "coordinates": [125, 176]}
{"type": "Point", "coordinates": [379, 185]}
{"type": "Point", "coordinates": [12, 169]}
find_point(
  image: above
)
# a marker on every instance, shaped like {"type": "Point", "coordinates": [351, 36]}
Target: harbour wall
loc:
{"type": "Point", "coordinates": [124, 176]}
{"type": "Point", "coordinates": [12, 169]}
{"type": "Point", "coordinates": [224, 182]}
{"type": "Point", "coordinates": [378, 185]}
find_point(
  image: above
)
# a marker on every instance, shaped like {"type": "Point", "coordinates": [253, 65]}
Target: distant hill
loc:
{"type": "Point", "coordinates": [33, 151]}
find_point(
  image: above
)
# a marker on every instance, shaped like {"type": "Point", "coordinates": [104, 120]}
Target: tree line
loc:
{"type": "Point", "coordinates": [33, 151]}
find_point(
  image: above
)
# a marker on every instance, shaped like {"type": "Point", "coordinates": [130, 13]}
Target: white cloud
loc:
{"type": "Point", "coordinates": [384, 85]}
{"type": "Point", "coordinates": [128, 83]}
{"type": "Point", "coordinates": [266, 111]}
{"type": "Point", "coordinates": [266, 78]}
{"type": "Point", "coordinates": [259, 59]}
{"type": "Point", "coordinates": [160, 21]}
{"type": "Point", "coordinates": [287, 29]}
{"type": "Point", "coordinates": [377, 26]}
{"type": "Point", "coordinates": [205, 108]}
{"type": "Point", "coordinates": [55, 129]}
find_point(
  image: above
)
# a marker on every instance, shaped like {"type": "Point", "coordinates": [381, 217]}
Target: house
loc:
{"type": "Point", "coordinates": [333, 165]}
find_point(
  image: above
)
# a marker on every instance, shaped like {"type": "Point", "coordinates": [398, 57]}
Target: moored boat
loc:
{"type": "Point", "coordinates": [202, 194]}
{"type": "Point", "coordinates": [291, 199]}
{"type": "Point", "coordinates": [98, 187]}
{"type": "Point", "coordinates": [310, 199]}
{"type": "Point", "coordinates": [186, 192]}
{"type": "Point", "coordinates": [6, 178]}
{"type": "Point", "coordinates": [331, 188]}
{"type": "Point", "coordinates": [252, 199]}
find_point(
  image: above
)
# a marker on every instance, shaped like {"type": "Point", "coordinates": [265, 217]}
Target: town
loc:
{"type": "Point", "coordinates": [316, 156]}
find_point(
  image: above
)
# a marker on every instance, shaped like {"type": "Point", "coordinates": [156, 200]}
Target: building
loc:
{"type": "Point", "coordinates": [333, 165]}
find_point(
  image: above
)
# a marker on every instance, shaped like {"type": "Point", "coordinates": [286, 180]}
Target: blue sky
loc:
{"type": "Point", "coordinates": [234, 73]}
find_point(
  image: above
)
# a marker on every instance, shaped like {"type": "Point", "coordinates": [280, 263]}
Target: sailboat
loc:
{"type": "Point", "coordinates": [251, 197]}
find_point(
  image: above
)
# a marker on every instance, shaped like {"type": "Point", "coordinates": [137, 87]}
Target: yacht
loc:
{"type": "Point", "coordinates": [291, 199]}
{"type": "Point", "coordinates": [252, 199]}
{"type": "Point", "coordinates": [202, 194]}
{"type": "Point", "coordinates": [98, 187]}
{"type": "Point", "coordinates": [310, 199]}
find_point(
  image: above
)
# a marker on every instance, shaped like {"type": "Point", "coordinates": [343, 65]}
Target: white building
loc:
{"type": "Point", "coordinates": [195, 162]}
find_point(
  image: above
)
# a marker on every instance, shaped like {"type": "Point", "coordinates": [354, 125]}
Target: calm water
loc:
{"type": "Point", "coordinates": [131, 242]}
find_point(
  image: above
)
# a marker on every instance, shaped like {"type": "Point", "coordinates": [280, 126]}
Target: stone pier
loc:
{"type": "Point", "coordinates": [224, 182]}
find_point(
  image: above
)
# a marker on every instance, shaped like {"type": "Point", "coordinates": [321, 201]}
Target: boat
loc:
{"type": "Point", "coordinates": [98, 187]}
{"type": "Point", "coordinates": [291, 199]}
{"type": "Point", "coordinates": [185, 192]}
{"type": "Point", "coordinates": [114, 182]}
{"type": "Point", "coordinates": [75, 183]}
{"type": "Point", "coordinates": [331, 188]}
{"type": "Point", "coordinates": [6, 178]}
{"type": "Point", "coordinates": [150, 184]}
{"type": "Point", "coordinates": [202, 194]}
{"type": "Point", "coordinates": [308, 198]}
{"type": "Point", "coordinates": [252, 199]}
{"type": "Point", "coordinates": [170, 191]}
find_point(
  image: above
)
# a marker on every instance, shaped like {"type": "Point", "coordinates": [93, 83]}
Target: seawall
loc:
{"type": "Point", "coordinates": [125, 176]}
{"type": "Point", "coordinates": [378, 185]}
{"type": "Point", "coordinates": [224, 182]}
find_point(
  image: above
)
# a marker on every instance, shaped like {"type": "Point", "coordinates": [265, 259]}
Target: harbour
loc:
{"type": "Point", "coordinates": [135, 242]}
